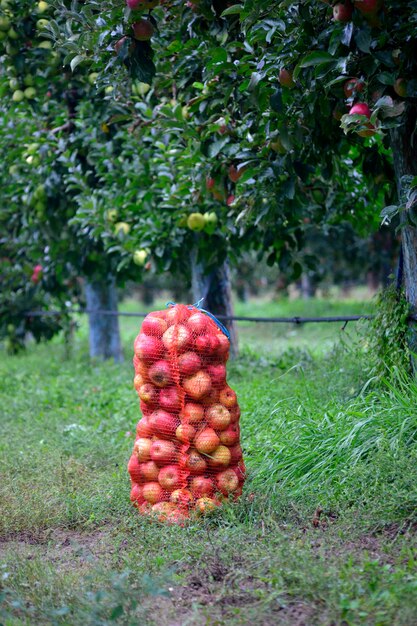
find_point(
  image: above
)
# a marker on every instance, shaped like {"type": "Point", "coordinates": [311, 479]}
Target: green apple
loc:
{"type": "Point", "coordinates": [140, 89]}
{"type": "Point", "coordinates": [18, 95]}
{"type": "Point", "coordinates": [42, 23]}
{"type": "Point", "coordinates": [32, 160]}
{"type": "Point", "coordinates": [196, 221]}
{"type": "Point", "coordinates": [5, 23]}
{"type": "Point", "coordinates": [28, 80]}
{"type": "Point", "coordinates": [30, 93]}
{"type": "Point", "coordinates": [45, 44]}
{"type": "Point", "coordinates": [13, 83]}
{"type": "Point", "coordinates": [121, 227]}
{"type": "Point", "coordinates": [210, 218]}
{"type": "Point", "coordinates": [109, 89]}
{"type": "Point", "coordinates": [111, 215]}
{"type": "Point", "coordinates": [12, 34]}
{"type": "Point", "coordinates": [3, 35]}
{"type": "Point", "coordinates": [139, 257]}
{"type": "Point", "coordinates": [13, 169]}
{"type": "Point", "coordinates": [92, 78]}
{"type": "Point", "coordinates": [39, 193]}
{"type": "Point", "coordinates": [42, 6]}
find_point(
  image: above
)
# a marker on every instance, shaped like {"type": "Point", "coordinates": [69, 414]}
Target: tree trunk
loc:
{"type": "Point", "coordinates": [404, 148]}
{"type": "Point", "coordinates": [215, 288]}
{"type": "Point", "coordinates": [308, 287]}
{"type": "Point", "coordinates": [101, 295]}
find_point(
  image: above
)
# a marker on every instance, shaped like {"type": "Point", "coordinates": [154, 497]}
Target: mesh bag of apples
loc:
{"type": "Point", "coordinates": [187, 457]}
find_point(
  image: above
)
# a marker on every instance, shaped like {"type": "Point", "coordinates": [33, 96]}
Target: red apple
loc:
{"type": "Point", "coordinates": [195, 463]}
{"type": "Point", "coordinates": [153, 492]}
{"type": "Point", "coordinates": [197, 323]}
{"type": "Point", "coordinates": [141, 368]}
{"type": "Point", "coordinates": [134, 469]}
{"type": "Point", "coordinates": [163, 452]}
{"type": "Point", "coordinates": [143, 30]}
{"type": "Point", "coordinates": [227, 397]}
{"type": "Point", "coordinates": [177, 314]}
{"type": "Point", "coordinates": [343, 12]}
{"type": "Point", "coordinates": [224, 344]}
{"type": "Point", "coordinates": [240, 470]}
{"type": "Point", "coordinates": [353, 86]}
{"type": "Point", "coordinates": [198, 385]}
{"type": "Point", "coordinates": [182, 497]}
{"type": "Point", "coordinates": [235, 413]}
{"type": "Point", "coordinates": [286, 79]}
{"type": "Point", "coordinates": [367, 7]}
{"type": "Point", "coordinates": [236, 453]}
{"type": "Point", "coordinates": [143, 428]}
{"type": "Point", "coordinates": [185, 433]}
{"type": "Point", "coordinates": [230, 436]}
{"type": "Point", "coordinates": [177, 338]}
{"type": "Point", "coordinates": [160, 373]}
{"type": "Point", "coordinates": [206, 441]}
{"type": "Point", "coordinates": [189, 363]}
{"type": "Point", "coordinates": [163, 424]}
{"type": "Point", "coordinates": [201, 486]}
{"type": "Point", "coordinates": [193, 413]}
{"type": "Point", "coordinates": [227, 481]}
{"type": "Point", "coordinates": [136, 494]}
{"type": "Point", "coordinates": [235, 173]}
{"type": "Point", "coordinates": [230, 199]}
{"type": "Point", "coordinates": [148, 348]}
{"type": "Point", "coordinates": [361, 108]}
{"type": "Point", "coordinates": [142, 4]}
{"type": "Point", "coordinates": [142, 448]}
{"type": "Point", "coordinates": [169, 399]}
{"type": "Point", "coordinates": [155, 326]}
{"type": "Point", "coordinates": [138, 382]}
{"type": "Point", "coordinates": [210, 182]}
{"type": "Point", "coordinates": [148, 394]}
{"type": "Point", "coordinates": [211, 398]}
{"type": "Point", "coordinates": [149, 471]}
{"type": "Point", "coordinates": [217, 374]}
{"type": "Point", "coordinates": [218, 417]}
{"type": "Point", "coordinates": [220, 457]}
{"type": "Point", "coordinates": [170, 477]}
{"type": "Point", "coordinates": [205, 505]}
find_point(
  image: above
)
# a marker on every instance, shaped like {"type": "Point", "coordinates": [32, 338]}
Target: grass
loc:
{"type": "Point", "coordinates": [325, 531]}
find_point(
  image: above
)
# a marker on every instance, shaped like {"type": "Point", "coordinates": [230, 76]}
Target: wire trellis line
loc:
{"type": "Point", "coordinates": [227, 318]}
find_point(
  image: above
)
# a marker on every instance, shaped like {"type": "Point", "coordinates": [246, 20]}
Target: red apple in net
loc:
{"type": "Point", "coordinates": [227, 397]}
{"type": "Point", "coordinates": [201, 486]}
{"type": "Point", "coordinates": [149, 471]}
{"type": "Point", "coordinates": [163, 423]}
{"type": "Point", "coordinates": [217, 374]}
{"type": "Point", "coordinates": [170, 477]}
{"type": "Point", "coordinates": [206, 441]}
{"type": "Point", "coordinates": [148, 393]}
{"type": "Point", "coordinates": [223, 345]}
{"type": "Point", "coordinates": [162, 511]}
{"type": "Point", "coordinates": [182, 497]}
{"type": "Point", "coordinates": [163, 452]}
{"type": "Point", "coordinates": [169, 399]}
{"type": "Point", "coordinates": [236, 453]}
{"type": "Point", "coordinates": [185, 433]}
{"type": "Point", "coordinates": [220, 457]}
{"type": "Point", "coordinates": [211, 398]}
{"type": "Point", "coordinates": [195, 463]}
{"type": "Point", "coordinates": [234, 413]}
{"type": "Point", "coordinates": [198, 385]}
{"type": "Point", "coordinates": [142, 368]}
{"type": "Point", "coordinates": [133, 469]}
{"type": "Point", "coordinates": [176, 338]}
{"type": "Point", "coordinates": [227, 481]}
{"type": "Point", "coordinates": [205, 505]}
{"type": "Point", "coordinates": [230, 436]}
{"type": "Point", "coordinates": [207, 344]}
{"type": "Point", "coordinates": [192, 413]}
{"type": "Point", "coordinates": [189, 363]}
{"type": "Point", "coordinates": [177, 314]}
{"type": "Point", "coordinates": [136, 494]}
{"type": "Point", "coordinates": [155, 326]}
{"type": "Point", "coordinates": [197, 323]}
{"type": "Point", "coordinates": [240, 470]}
{"type": "Point", "coordinates": [138, 381]}
{"type": "Point", "coordinates": [148, 348]}
{"type": "Point", "coordinates": [160, 373]}
{"type": "Point", "coordinates": [153, 492]}
{"type": "Point", "coordinates": [142, 449]}
{"type": "Point", "coordinates": [143, 428]}
{"type": "Point", "coordinates": [218, 417]}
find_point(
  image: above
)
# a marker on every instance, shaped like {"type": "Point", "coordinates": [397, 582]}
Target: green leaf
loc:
{"type": "Point", "coordinates": [76, 61]}
{"type": "Point", "coordinates": [311, 59]}
{"type": "Point", "coordinates": [235, 9]}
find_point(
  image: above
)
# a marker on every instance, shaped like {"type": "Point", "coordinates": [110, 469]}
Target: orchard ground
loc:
{"type": "Point", "coordinates": [325, 531]}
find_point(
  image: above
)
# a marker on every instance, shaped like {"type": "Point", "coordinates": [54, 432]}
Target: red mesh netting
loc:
{"type": "Point", "coordinates": [187, 456]}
